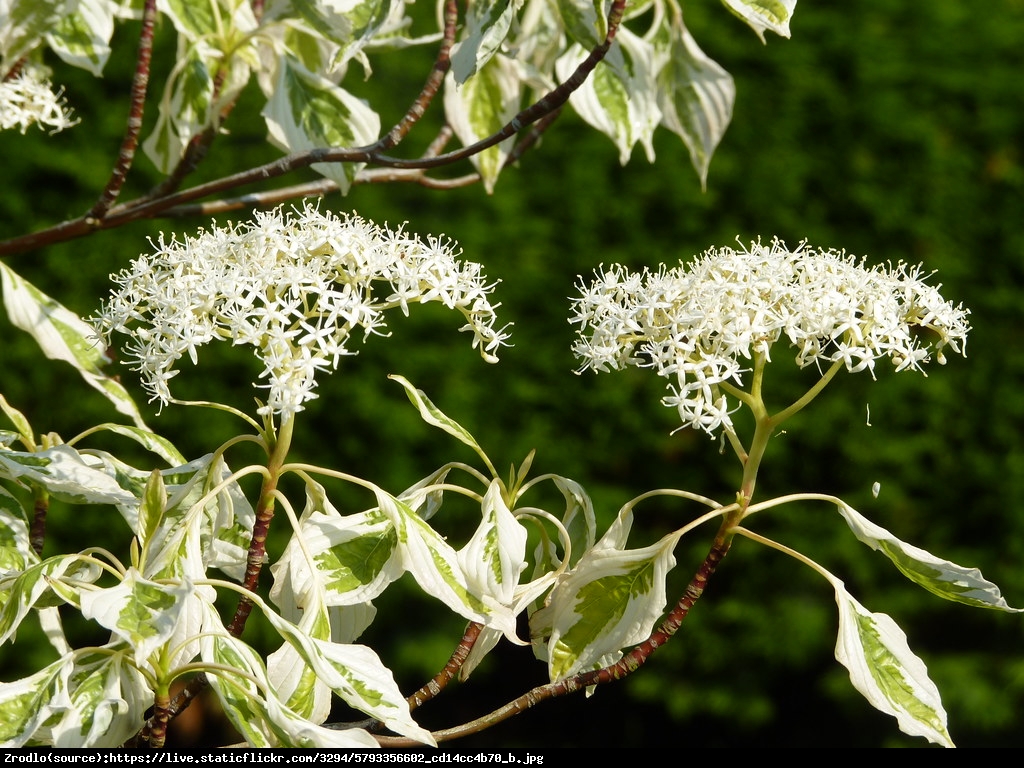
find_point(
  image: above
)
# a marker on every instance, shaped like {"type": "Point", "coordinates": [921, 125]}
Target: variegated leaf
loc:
{"type": "Point", "coordinates": [886, 672]}
{"type": "Point", "coordinates": [15, 550]}
{"type": "Point", "coordinates": [481, 107]}
{"type": "Point", "coordinates": [433, 415]}
{"type": "Point", "coordinates": [66, 474]}
{"type": "Point", "coordinates": [25, 703]}
{"type": "Point", "coordinates": [610, 600]}
{"type": "Point", "coordinates": [940, 577]}
{"type": "Point", "coordinates": [82, 38]}
{"type": "Point", "coordinates": [585, 21]}
{"type": "Point", "coordinates": [495, 556]}
{"type": "Point", "coordinates": [487, 25]}
{"type": "Point", "coordinates": [23, 24]}
{"type": "Point", "coordinates": [307, 111]}
{"type": "Point", "coordinates": [696, 96]}
{"type": "Point", "coordinates": [773, 15]}
{"type": "Point", "coordinates": [143, 613]}
{"type": "Point", "coordinates": [23, 591]}
{"type": "Point", "coordinates": [620, 98]}
{"type": "Point", "coordinates": [62, 335]}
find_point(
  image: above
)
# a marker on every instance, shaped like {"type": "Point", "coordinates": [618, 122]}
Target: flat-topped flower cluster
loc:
{"type": "Point", "coordinates": [702, 325]}
{"type": "Point", "coordinates": [28, 99]}
{"type": "Point", "coordinates": [292, 285]}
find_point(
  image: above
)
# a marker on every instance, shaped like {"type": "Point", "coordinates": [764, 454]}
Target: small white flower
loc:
{"type": "Point", "coordinates": [294, 286]}
{"type": "Point", "coordinates": [28, 98]}
{"type": "Point", "coordinates": [700, 325]}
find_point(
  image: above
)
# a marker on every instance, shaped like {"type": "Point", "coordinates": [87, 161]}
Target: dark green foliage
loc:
{"type": "Point", "coordinates": [893, 130]}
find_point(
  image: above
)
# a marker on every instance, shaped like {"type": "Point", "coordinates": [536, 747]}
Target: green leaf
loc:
{"type": "Point", "coordinates": [609, 601]}
{"type": "Point", "coordinates": [940, 577]}
{"type": "Point", "coordinates": [696, 96]}
{"type": "Point", "coordinates": [886, 672]}
{"type": "Point", "coordinates": [307, 111]}
{"type": "Point", "coordinates": [773, 15]}
{"type": "Point", "coordinates": [62, 335]}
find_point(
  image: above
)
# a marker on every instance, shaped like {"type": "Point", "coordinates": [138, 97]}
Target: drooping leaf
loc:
{"type": "Point", "coordinates": [82, 38]}
{"type": "Point", "coordinates": [609, 601]}
{"type": "Point", "coordinates": [495, 556]}
{"type": "Point", "coordinates": [773, 15]}
{"type": "Point", "coordinates": [25, 703]}
{"type": "Point", "coordinates": [940, 577]}
{"type": "Point", "coordinates": [480, 107]}
{"type": "Point", "coordinates": [307, 111]}
{"type": "Point", "coordinates": [886, 672]}
{"type": "Point", "coordinates": [487, 25]}
{"type": "Point", "coordinates": [23, 24]}
{"type": "Point", "coordinates": [695, 94]}
{"type": "Point", "coordinates": [62, 335]}
{"type": "Point", "coordinates": [66, 474]}
{"type": "Point", "coordinates": [23, 591]}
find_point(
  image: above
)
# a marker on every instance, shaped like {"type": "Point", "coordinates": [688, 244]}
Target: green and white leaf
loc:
{"type": "Point", "coordinates": [334, 560]}
{"type": "Point", "coordinates": [695, 94]}
{"type": "Point", "coordinates": [940, 577]}
{"type": "Point", "coordinates": [21, 592]}
{"type": "Point", "coordinates": [143, 613]}
{"type": "Point", "coordinates": [585, 21]}
{"type": "Point", "coordinates": [611, 600]}
{"type": "Point", "coordinates": [249, 702]}
{"type": "Point", "coordinates": [885, 671]}
{"type": "Point", "coordinates": [151, 441]}
{"type": "Point", "coordinates": [307, 111]}
{"type": "Point", "coordinates": [25, 703]}
{"type": "Point", "coordinates": [579, 519]}
{"type": "Point", "coordinates": [103, 703]}
{"type": "Point", "coordinates": [620, 98]}
{"type": "Point", "coordinates": [487, 25]}
{"type": "Point", "coordinates": [63, 335]}
{"type": "Point", "coordinates": [436, 568]}
{"type": "Point", "coordinates": [761, 15]}
{"type": "Point", "coordinates": [65, 473]}
{"type": "Point", "coordinates": [15, 549]}
{"type": "Point", "coordinates": [482, 106]}
{"type": "Point", "coordinates": [24, 23]}
{"type": "Point", "coordinates": [433, 415]}
{"type": "Point", "coordinates": [82, 38]}
{"type": "Point", "coordinates": [495, 556]}
{"type": "Point", "coordinates": [21, 424]}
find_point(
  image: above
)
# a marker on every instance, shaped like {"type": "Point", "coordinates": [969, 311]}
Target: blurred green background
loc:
{"type": "Point", "coordinates": [893, 130]}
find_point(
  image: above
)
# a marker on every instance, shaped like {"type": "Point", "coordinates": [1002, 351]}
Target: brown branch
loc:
{"type": "Point", "coordinates": [628, 664]}
{"type": "Point", "coordinates": [130, 142]}
{"type": "Point", "coordinates": [37, 533]}
{"type": "Point", "coordinates": [441, 679]}
{"type": "Point", "coordinates": [434, 80]}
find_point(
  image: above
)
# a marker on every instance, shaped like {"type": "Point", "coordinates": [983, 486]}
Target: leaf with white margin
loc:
{"type": "Point", "coordinates": [579, 519]}
{"type": "Point", "coordinates": [23, 591]}
{"type": "Point", "coordinates": [495, 556]}
{"type": "Point", "coordinates": [144, 613]}
{"type": "Point", "coordinates": [16, 552]}
{"type": "Point", "coordinates": [23, 23]}
{"type": "Point", "coordinates": [307, 111]}
{"type": "Point", "coordinates": [773, 15]}
{"type": "Point", "coordinates": [436, 568]}
{"type": "Point", "coordinates": [585, 21]}
{"type": "Point", "coordinates": [103, 703]}
{"type": "Point", "coordinates": [65, 473]}
{"type": "Point", "coordinates": [487, 25]}
{"type": "Point", "coordinates": [24, 703]}
{"type": "Point", "coordinates": [620, 98]}
{"type": "Point", "coordinates": [695, 94]}
{"type": "Point", "coordinates": [250, 704]}
{"type": "Point", "coordinates": [609, 601]}
{"type": "Point", "coordinates": [940, 577]}
{"type": "Point", "coordinates": [349, 24]}
{"type": "Point", "coordinates": [82, 38]}
{"type": "Point", "coordinates": [433, 415]}
{"type": "Point", "coordinates": [334, 559]}
{"type": "Point", "coordinates": [63, 335]}
{"type": "Point", "coordinates": [482, 106]}
{"type": "Point", "coordinates": [151, 441]}
{"type": "Point", "coordinates": [885, 671]}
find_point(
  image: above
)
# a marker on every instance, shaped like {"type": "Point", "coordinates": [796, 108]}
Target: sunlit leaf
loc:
{"type": "Point", "coordinates": [761, 15]}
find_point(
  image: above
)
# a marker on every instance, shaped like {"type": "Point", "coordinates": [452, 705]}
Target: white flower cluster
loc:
{"type": "Point", "coordinates": [698, 325]}
{"type": "Point", "coordinates": [28, 98]}
{"type": "Point", "coordinates": [294, 286]}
